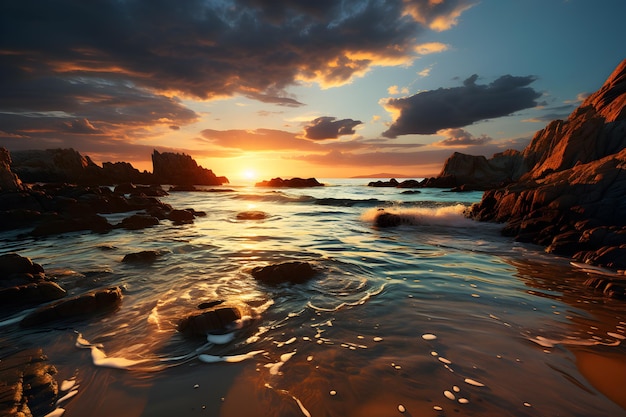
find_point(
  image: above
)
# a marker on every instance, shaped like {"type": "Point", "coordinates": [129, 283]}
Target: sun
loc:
{"type": "Point", "coordinates": [249, 174]}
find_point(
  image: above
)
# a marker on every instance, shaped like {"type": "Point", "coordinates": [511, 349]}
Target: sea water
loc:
{"type": "Point", "coordinates": [440, 316]}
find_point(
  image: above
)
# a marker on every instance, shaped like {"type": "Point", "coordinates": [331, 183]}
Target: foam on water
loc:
{"type": "Point", "coordinates": [452, 216]}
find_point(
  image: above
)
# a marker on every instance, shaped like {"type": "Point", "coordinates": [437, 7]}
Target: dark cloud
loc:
{"type": "Point", "coordinates": [328, 127]}
{"type": "Point", "coordinates": [461, 138]}
{"type": "Point", "coordinates": [80, 126]}
{"type": "Point", "coordinates": [446, 108]}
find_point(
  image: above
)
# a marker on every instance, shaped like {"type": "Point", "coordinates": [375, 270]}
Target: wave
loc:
{"type": "Point", "coordinates": [452, 216]}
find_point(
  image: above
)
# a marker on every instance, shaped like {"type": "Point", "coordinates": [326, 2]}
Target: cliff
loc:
{"type": "Point", "coordinates": [572, 199]}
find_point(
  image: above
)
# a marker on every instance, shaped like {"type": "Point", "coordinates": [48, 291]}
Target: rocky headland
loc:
{"type": "Point", "coordinates": [571, 194]}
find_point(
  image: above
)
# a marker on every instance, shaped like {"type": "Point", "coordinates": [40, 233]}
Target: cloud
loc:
{"type": "Point", "coordinates": [121, 69]}
{"type": "Point", "coordinates": [431, 48]}
{"type": "Point", "coordinates": [330, 128]}
{"type": "Point", "coordinates": [461, 138]}
{"type": "Point", "coordinates": [430, 111]}
{"type": "Point", "coordinates": [81, 126]}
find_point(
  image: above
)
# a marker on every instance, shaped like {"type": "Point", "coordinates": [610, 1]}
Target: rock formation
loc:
{"type": "Point", "coordinates": [69, 166]}
{"type": "Point", "coordinates": [572, 199]}
{"type": "Point", "coordinates": [181, 169]}
{"type": "Point", "coordinates": [469, 172]}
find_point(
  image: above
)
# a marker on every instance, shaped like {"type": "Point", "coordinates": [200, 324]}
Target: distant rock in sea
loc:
{"type": "Point", "coordinates": [290, 183]}
{"type": "Point", "coordinates": [572, 197]}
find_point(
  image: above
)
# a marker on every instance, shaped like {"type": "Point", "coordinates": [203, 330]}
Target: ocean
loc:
{"type": "Point", "coordinates": [440, 316]}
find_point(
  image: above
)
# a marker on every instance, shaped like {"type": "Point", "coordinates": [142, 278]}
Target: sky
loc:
{"type": "Point", "coordinates": [256, 89]}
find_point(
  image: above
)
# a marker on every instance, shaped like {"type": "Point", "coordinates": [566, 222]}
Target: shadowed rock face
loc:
{"type": "Point", "coordinates": [573, 199]}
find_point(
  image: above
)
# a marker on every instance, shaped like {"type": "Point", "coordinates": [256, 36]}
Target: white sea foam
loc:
{"type": "Point", "coordinates": [440, 216]}
{"type": "Point", "coordinates": [220, 339]}
{"type": "Point", "coordinates": [230, 359]}
{"type": "Point", "coordinates": [548, 343]}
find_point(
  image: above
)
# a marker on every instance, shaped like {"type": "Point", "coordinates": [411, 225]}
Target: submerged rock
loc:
{"type": "Point", "coordinates": [295, 272]}
{"type": "Point", "coordinates": [75, 308]}
{"type": "Point", "coordinates": [252, 215]}
{"type": "Point", "coordinates": [139, 221]}
{"type": "Point", "coordinates": [33, 293]}
{"type": "Point", "coordinates": [141, 257]}
{"type": "Point", "coordinates": [386, 219]}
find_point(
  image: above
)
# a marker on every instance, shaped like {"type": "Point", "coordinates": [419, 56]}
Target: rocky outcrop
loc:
{"type": "Point", "coordinates": [54, 165]}
{"type": "Point", "coordinates": [572, 199]}
{"type": "Point", "coordinates": [290, 183]}
{"type": "Point", "coordinates": [469, 172]}
{"type": "Point", "coordinates": [181, 169]}
{"type": "Point", "coordinates": [69, 166]}
{"type": "Point", "coordinates": [9, 182]}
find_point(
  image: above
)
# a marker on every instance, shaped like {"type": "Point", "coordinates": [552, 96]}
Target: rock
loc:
{"type": "Point", "coordinates": [214, 320]}
{"type": "Point", "coordinates": [391, 183]}
{"type": "Point", "coordinates": [295, 272]}
{"type": "Point", "coordinates": [33, 293]}
{"type": "Point", "coordinates": [9, 182]}
{"type": "Point", "coordinates": [290, 183]}
{"type": "Point", "coordinates": [252, 215]}
{"type": "Point", "coordinates": [139, 221]}
{"type": "Point", "coordinates": [181, 169]}
{"type": "Point", "coordinates": [181, 216]}
{"type": "Point", "coordinates": [53, 225]}
{"type": "Point", "coordinates": [12, 264]}
{"type": "Point", "coordinates": [27, 384]}
{"type": "Point", "coordinates": [468, 172]}
{"type": "Point", "coordinates": [76, 308]}
{"type": "Point", "coordinates": [141, 257]}
{"type": "Point", "coordinates": [386, 219]}
{"type": "Point", "coordinates": [572, 196]}
{"type": "Point", "coordinates": [55, 165]}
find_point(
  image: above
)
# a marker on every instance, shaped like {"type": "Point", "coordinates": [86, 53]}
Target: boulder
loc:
{"type": "Point", "coordinates": [294, 272]}
{"type": "Point", "coordinates": [181, 216]}
{"type": "Point", "coordinates": [32, 293]}
{"type": "Point", "coordinates": [139, 221]}
{"type": "Point", "coordinates": [212, 320]}
{"type": "Point", "coordinates": [13, 264]}
{"type": "Point", "coordinates": [55, 165]}
{"type": "Point", "coordinates": [76, 308]}
{"type": "Point", "coordinates": [391, 183]}
{"type": "Point", "coordinates": [290, 183]}
{"type": "Point", "coordinates": [141, 257]}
